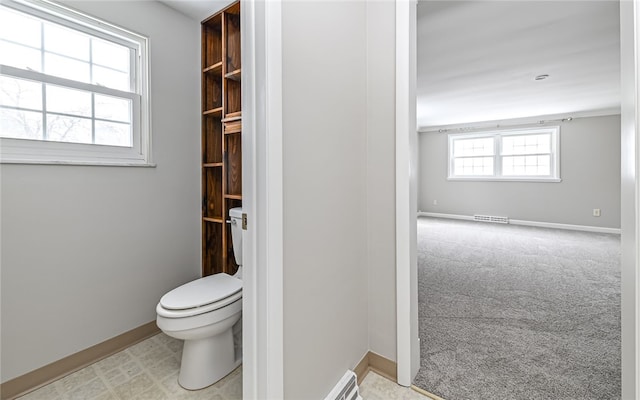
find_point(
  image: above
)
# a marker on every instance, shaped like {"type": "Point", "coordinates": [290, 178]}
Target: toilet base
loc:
{"type": "Point", "coordinates": [206, 361]}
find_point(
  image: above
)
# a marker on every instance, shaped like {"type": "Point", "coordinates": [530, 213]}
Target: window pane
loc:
{"type": "Point", "coordinates": [526, 165]}
{"type": "Point", "coordinates": [20, 93]}
{"type": "Point", "coordinates": [473, 147]}
{"type": "Point", "coordinates": [113, 108]}
{"type": "Point", "coordinates": [113, 134]}
{"type": "Point", "coordinates": [65, 67]}
{"type": "Point", "coordinates": [110, 55]}
{"type": "Point", "coordinates": [526, 144]}
{"type": "Point", "coordinates": [58, 39]}
{"type": "Point", "coordinates": [70, 89]}
{"type": "Point", "coordinates": [19, 56]}
{"type": "Point", "coordinates": [111, 78]}
{"type": "Point", "coordinates": [19, 124]}
{"type": "Point", "coordinates": [473, 166]}
{"type": "Point", "coordinates": [68, 129]}
{"type": "Point", "coordinates": [20, 28]}
{"type": "Point", "coordinates": [68, 101]}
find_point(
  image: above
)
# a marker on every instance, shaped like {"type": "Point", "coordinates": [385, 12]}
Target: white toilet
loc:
{"type": "Point", "coordinates": [203, 314]}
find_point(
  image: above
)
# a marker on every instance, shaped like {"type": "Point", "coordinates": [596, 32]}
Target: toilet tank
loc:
{"type": "Point", "coordinates": [235, 215]}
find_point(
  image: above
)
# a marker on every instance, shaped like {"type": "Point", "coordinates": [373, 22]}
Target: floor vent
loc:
{"type": "Point", "coordinates": [491, 218]}
{"type": "Point", "coordinates": [346, 389]}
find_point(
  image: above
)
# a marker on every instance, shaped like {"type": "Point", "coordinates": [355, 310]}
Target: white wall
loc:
{"type": "Point", "coordinates": [88, 251]}
{"type": "Point", "coordinates": [325, 221]}
{"type": "Point", "coordinates": [589, 168]}
{"type": "Point", "coordinates": [380, 142]}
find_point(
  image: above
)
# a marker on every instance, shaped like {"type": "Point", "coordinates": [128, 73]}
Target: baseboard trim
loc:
{"type": "Point", "coordinates": [362, 368]}
{"type": "Point", "coordinates": [424, 392]}
{"type": "Point", "coordinates": [552, 225]}
{"type": "Point", "coordinates": [35, 379]}
{"type": "Point", "coordinates": [384, 367]}
{"type": "Point", "coordinates": [584, 228]}
{"type": "Point", "coordinates": [447, 216]}
{"type": "Point", "coordinates": [380, 365]}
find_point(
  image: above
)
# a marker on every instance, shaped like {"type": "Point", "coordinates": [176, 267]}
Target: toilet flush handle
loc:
{"type": "Point", "coordinates": [231, 221]}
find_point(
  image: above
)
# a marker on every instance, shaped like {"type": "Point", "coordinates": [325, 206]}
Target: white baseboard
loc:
{"type": "Point", "coordinates": [551, 225]}
{"type": "Point", "coordinates": [448, 216]}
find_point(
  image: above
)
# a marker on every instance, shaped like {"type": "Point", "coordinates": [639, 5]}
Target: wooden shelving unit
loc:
{"type": "Point", "coordinates": [221, 136]}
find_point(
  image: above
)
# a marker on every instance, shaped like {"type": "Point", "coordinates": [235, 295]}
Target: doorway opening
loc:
{"type": "Point", "coordinates": [629, 263]}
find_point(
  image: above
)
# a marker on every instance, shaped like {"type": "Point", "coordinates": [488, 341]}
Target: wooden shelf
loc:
{"type": "Point", "coordinates": [211, 141]}
{"type": "Point", "coordinates": [232, 127]}
{"type": "Point", "coordinates": [234, 75]}
{"type": "Point", "coordinates": [232, 94]}
{"type": "Point", "coordinates": [217, 67]}
{"type": "Point", "coordinates": [214, 112]}
{"type": "Point", "coordinates": [221, 144]}
{"type": "Point", "coordinates": [236, 116]}
{"type": "Point", "coordinates": [212, 41]}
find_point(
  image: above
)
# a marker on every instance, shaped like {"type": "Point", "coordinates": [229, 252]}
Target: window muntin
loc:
{"type": "Point", "coordinates": [41, 111]}
{"type": "Point", "coordinates": [66, 77]}
{"type": "Point", "coordinates": [526, 154]}
{"type": "Point", "coordinates": [474, 156]}
{"type": "Point", "coordinates": [35, 44]}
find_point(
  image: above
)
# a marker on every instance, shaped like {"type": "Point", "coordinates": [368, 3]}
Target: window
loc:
{"type": "Point", "coordinates": [522, 155]}
{"type": "Point", "coordinates": [73, 89]}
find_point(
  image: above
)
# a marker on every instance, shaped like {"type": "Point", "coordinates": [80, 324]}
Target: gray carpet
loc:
{"type": "Point", "coordinates": [513, 312]}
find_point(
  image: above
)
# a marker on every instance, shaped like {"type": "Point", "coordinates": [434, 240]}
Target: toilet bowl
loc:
{"type": "Point", "coordinates": [203, 314]}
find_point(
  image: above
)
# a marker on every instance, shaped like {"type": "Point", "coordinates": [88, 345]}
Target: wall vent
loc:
{"type": "Point", "coordinates": [346, 389]}
{"type": "Point", "coordinates": [491, 218]}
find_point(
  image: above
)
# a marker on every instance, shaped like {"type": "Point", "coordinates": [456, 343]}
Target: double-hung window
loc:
{"type": "Point", "coordinates": [73, 89]}
{"type": "Point", "coordinates": [515, 155]}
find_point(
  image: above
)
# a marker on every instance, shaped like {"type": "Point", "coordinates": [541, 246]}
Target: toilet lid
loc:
{"type": "Point", "coordinates": [201, 292]}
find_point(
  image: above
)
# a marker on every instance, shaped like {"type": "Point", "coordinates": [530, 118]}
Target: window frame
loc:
{"type": "Point", "coordinates": [26, 151]}
{"type": "Point", "coordinates": [497, 136]}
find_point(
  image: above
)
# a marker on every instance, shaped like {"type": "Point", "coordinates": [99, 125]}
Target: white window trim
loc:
{"type": "Point", "coordinates": [21, 151]}
{"type": "Point", "coordinates": [497, 165]}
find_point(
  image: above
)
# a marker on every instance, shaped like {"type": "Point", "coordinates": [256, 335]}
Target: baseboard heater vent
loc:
{"type": "Point", "coordinates": [346, 389]}
{"type": "Point", "coordinates": [491, 218]}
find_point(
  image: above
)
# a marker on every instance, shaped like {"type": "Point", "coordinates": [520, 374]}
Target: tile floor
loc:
{"type": "Point", "coordinates": [375, 387]}
{"type": "Point", "coordinates": [149, 371]}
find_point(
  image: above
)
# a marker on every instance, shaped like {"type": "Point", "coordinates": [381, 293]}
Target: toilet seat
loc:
{"type": "Point", "coordinates": [163, 312]}
{"type": "Point", "coordinates": [200, 296]}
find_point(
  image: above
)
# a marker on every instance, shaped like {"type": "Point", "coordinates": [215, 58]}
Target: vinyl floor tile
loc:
{"type": "Point", "coordinates": [149, 371]}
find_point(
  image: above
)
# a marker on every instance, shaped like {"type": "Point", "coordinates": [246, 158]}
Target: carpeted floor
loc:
{"type": "Point", "coordinates": [513, 312]}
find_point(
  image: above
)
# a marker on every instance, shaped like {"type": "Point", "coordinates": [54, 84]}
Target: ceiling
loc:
{"type": "Point", "coordinates": [477, 60]}
{"type": "Point", "coordinates": [197, 9]}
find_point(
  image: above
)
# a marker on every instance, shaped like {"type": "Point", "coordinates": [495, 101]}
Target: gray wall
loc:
{"type": "Point", "coordinates": [88, 251]}
{"type": "Point", "coordinates": [325, 239]}
{"type": "Point", "coordinates": [589, 168]}
{"type": "Point", "coordinates": [104, 244]}
{"type": "Point", "coordinates": [381, 247]}
{"type": "Point", "coordinates": [339, 177]}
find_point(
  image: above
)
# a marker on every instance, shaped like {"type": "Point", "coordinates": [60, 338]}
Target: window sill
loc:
{"type": "Point", "coordinates": [19, 151]}
{"type": "Point", "coordinates": [83, 163]}
{"type": "Point", "coordinates": [493, 179]}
